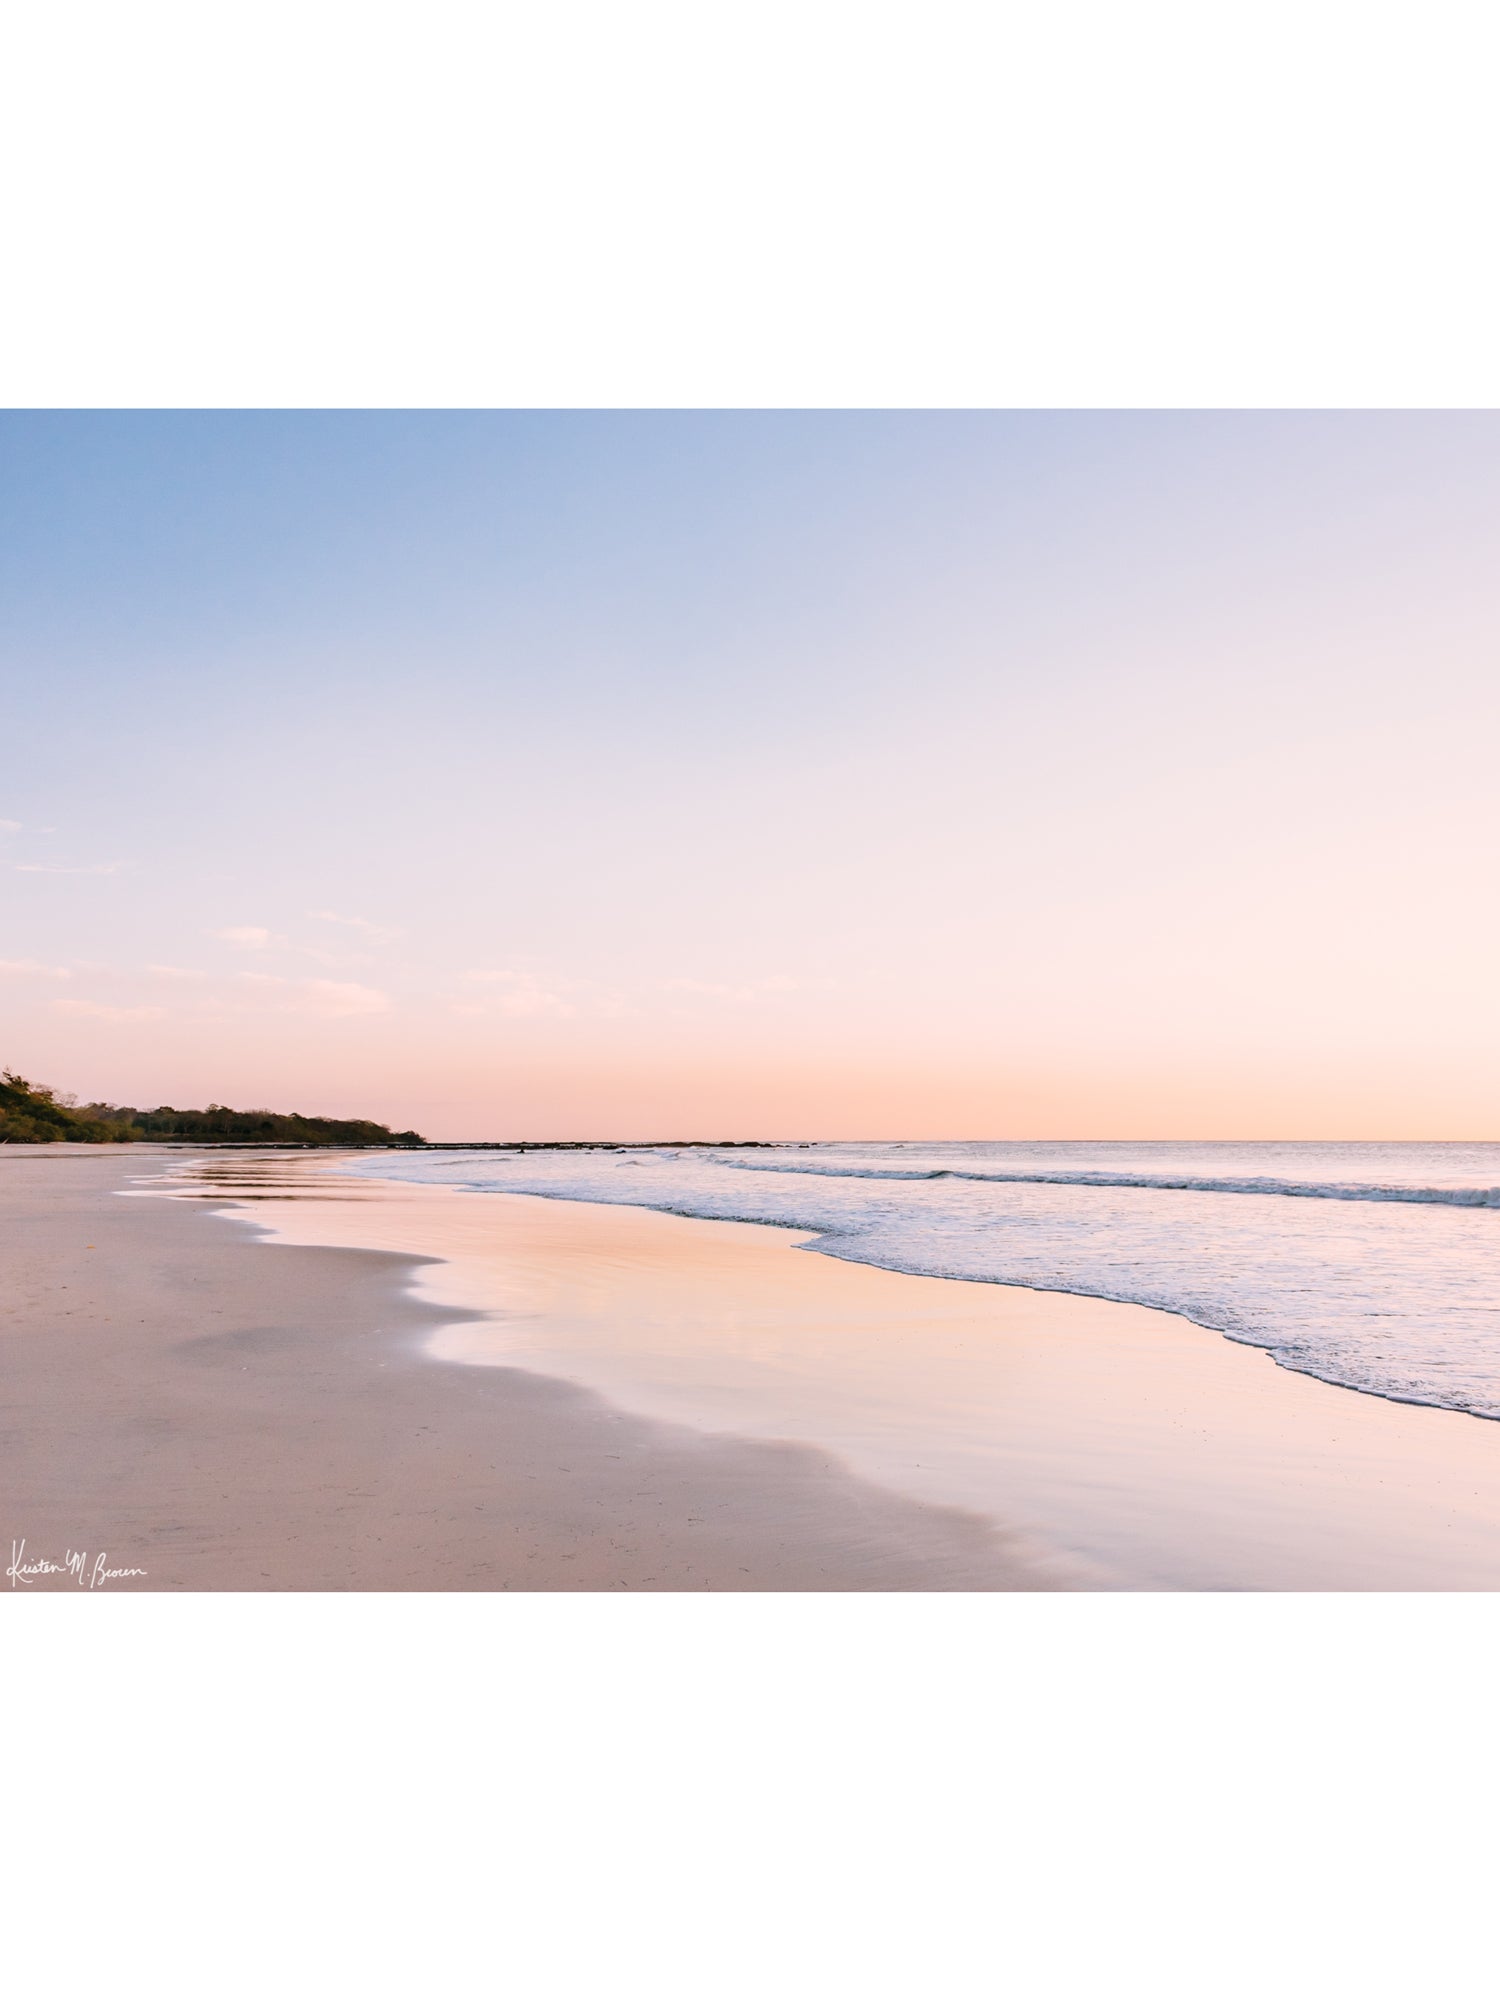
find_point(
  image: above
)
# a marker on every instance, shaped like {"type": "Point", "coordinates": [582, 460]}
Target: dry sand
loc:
{"type": "Point", "coordinates": [230, 1414]}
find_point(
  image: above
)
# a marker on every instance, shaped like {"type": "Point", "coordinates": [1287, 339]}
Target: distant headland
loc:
{"type": "Point", "coordinates": [32, 1114]}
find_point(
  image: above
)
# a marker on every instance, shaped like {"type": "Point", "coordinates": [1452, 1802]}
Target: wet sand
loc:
{"type": "Point", "coordinates": [1138, 1449]}
{"type": "Point", "coordinates": [227, 1413]}
{"type": "Point", "coordinates": [381, 1386]}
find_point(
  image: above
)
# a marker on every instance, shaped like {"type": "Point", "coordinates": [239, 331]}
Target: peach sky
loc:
{"type": "Point", "coordinates": [683, 775]}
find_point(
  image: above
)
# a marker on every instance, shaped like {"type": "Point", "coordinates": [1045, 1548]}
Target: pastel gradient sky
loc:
{"type": "Point", "coordinates": [809, 775]}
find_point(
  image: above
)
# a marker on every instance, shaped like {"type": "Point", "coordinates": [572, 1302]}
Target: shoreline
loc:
{"type": "Point", "coordinates": [383, 1385]}
{"type": "Point", "coordinates": [1386, 1288]}
{"type": "Point", "coordinates": [229, 1413]}
{"type": "Point", "coordinates": [1141, 1449]}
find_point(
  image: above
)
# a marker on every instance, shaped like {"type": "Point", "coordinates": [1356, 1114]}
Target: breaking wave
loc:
{"type": "Point", "coordinates": [1375, 1267]}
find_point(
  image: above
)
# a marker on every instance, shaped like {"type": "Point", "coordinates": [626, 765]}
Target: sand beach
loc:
{"type": "Point", "coordinates": [228, 1414]}
{"type": "Point", "coordinates": [251, 1372]}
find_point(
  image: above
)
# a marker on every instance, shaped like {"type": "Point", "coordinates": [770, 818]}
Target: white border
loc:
{"type": "Point", "coordinates": [741, 1796]}
{"type": "Point", "coordinates": [798, 204]}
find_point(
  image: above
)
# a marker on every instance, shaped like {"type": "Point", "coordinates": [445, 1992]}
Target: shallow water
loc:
{"type": "Point", "coordinates": [1372, 1266]}
{"type": "Point", "coordinates": [1129, 1445]}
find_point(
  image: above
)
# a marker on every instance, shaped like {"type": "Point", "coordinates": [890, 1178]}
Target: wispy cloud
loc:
{"type": "Point", "coordinates": [516, 993]}
{"type": "Point", "coordinates": [29, 968]}
{"type": "Point", "coordinates": [57, 868]}
{"type": "Point", "coordinates": [342, 959]}
{"type": "Point", "coordinates": [174, 972]}
{"type": "Point", "coordinates": [333, 999]}
{"type": "Point", "coordinates": [246, 937]}
{"type": "Point", "coordinates": [751, 995]}
{"type": "Point", "coordinates": [324, 999]}
{"type": "Point", "coordinates": [376, 933]}
{"type": "Point", "coordinates": [96, 1010]}
{"type": "Point", "coordinates": [10, 826]}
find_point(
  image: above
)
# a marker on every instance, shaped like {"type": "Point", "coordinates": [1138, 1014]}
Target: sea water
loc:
{"type": "Point", "coordinates": [1374, 1266]}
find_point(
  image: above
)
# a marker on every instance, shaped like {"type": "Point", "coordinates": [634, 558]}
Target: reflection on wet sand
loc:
{"type": "Point", "coordinates": [1126, 1439]}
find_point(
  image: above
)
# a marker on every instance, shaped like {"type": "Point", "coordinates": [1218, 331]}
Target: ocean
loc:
{"type": "Point", "coordinates": [1374, 1266]}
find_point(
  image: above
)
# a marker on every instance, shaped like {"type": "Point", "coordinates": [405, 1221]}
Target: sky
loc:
{"type": "Point", "coordinates": [692, 775]}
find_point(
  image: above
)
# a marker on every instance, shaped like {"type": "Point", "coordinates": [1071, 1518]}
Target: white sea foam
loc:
{"type": "Point", "coordinates": [1374, 1266]}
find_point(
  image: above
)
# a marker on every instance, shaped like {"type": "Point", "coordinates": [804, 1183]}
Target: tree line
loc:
{"type": "Point", "coordinates": [34, 1114]}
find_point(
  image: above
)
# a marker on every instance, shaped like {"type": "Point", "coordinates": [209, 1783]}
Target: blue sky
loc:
{"type": "Point", "coordinates": [851, 773]}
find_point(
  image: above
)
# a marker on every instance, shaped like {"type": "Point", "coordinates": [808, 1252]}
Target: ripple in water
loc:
{"type": "Point", "coordinates": [1374, 1266]}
